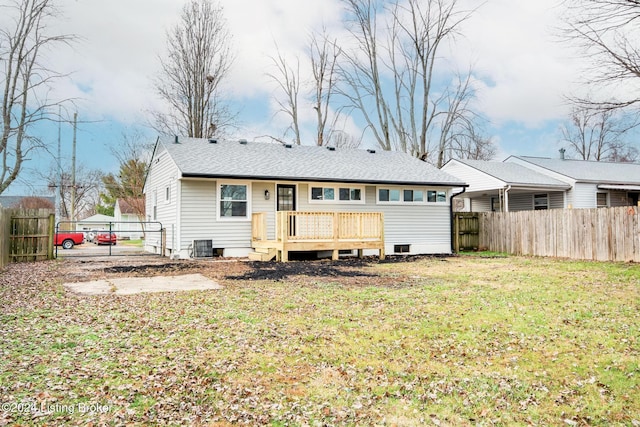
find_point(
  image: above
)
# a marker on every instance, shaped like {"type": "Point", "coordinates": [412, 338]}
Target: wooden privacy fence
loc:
{"type": "Point", "coordinates": [604, 234]}
{"type": "Point", "coordinates": [26, 235]}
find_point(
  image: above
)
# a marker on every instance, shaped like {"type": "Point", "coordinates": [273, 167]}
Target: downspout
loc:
{"type": "Point", "coordinates": [506, 198]}
{"type": "Point", "coordinates": [451, 215]}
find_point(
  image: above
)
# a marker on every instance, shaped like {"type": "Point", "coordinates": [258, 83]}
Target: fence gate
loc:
{"type": "Point", "coordinates": [466, 231]}
{"type": "Point", "coordinates": [30, 234]}
{"type": "Point", "coordinates": [122, 238]}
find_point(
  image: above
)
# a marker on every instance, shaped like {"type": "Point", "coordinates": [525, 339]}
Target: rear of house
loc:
{"type": "Point", "coordinates": [212, 192]}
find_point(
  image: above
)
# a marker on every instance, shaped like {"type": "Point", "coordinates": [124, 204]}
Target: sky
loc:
{"type": "Point", "coordinates": [523, 71]}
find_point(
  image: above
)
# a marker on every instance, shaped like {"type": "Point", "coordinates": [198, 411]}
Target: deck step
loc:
{"type": "Point", "coordinates": [263, 254]}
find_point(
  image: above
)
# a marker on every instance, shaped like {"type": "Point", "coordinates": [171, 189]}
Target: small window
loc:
{"type": "Point", "coordinates": [343, 194]}
{"type": "Point", "coordinates": [496, 206]}
{"type": "Point", "coordinates": [350, 194]}
{"type": "Point", "coordinates": [383, 195]}
{"type": "Point", "coordinates": [413, 196]}
{"type": "Point", "coordinates": [233, 200]}
{"type": "Point", "coordinates": [602, 200]}
{"type": "Point", "coordinates": [434, 196]}
{"type": "Point", "coordinates": [540, 202]}
{"type": "Point", "coordinates": [399, 249]}
{"type": "Point", "coordinates": [167, 194]}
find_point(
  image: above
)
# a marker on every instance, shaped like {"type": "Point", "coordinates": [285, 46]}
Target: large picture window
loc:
{"type": "Point", "coordinates": [233, 201]}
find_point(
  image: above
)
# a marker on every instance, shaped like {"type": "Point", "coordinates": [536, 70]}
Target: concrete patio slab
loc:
{"type": "Point", "coordinates": [137, 285]}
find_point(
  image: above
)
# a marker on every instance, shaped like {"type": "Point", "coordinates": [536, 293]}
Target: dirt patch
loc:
{"type": "Point", "coordinates": [139, 285]}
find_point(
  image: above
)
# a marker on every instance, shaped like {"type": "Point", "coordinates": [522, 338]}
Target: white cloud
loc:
{"type": "Point", "coordinates": [516, 51]}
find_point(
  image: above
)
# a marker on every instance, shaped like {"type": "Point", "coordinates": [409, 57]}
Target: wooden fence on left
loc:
{"type": "Point", "coordinates": [26, 235]}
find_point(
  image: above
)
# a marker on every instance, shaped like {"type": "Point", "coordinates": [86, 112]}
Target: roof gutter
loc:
{"type": "Point", "coordinates": [451, 215]}
{"type": "Point", "coordinates": [332, 180]}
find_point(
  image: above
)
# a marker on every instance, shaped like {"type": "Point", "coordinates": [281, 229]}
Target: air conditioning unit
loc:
{"type": "Point", "coordinates": [203, 248]}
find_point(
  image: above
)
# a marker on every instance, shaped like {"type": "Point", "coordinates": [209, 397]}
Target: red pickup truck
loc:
{"type": "Point", "coordinates": [68, 239]}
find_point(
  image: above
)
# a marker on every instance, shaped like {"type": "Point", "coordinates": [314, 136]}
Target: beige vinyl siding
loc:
{"type": "Point", "coordinates": [426, 227]}
{"type": "Point", "coordinates": [259, 204]}
{"type": "Point", "coordinates": [198, 217]}
{"type": "Point", "coordinates": [481, 204]}
{"type": "Point", "coordinates": [556, 200]}
{"type": "Point", "coordinates": [162, 174]}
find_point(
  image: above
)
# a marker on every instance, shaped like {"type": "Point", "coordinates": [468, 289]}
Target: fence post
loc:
{"type": "Point", "coordinates": [52, 220]}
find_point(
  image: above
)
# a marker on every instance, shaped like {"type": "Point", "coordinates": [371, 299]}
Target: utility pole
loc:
{"type": "Point", "coordinates": [73, 169]}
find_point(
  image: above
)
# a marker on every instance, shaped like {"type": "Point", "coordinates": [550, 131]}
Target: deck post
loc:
{"type": "Point", "coordinates": [382, 236]}
{"type": "Point", "coordinates": [335, 255]}
{"type": "Point", "coordinates": [285, 222]}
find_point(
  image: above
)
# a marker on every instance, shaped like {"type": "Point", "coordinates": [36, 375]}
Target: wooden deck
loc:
{"type": "Point", "coordinates": [317, 231]}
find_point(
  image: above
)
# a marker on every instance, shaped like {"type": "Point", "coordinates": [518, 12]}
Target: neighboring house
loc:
{"type": "Point", "coordinates": [593, 184]}
{"type": "Point", "coordinates": [96, 222]}
{"type": "Point", "coordinates": [498, 186]}
{"type": "Point", "coordinates": [128, 223]}
{"type": "Point", "coordinates": [528, 183]}
{"type": "Point", "coordinates": [223, 191]}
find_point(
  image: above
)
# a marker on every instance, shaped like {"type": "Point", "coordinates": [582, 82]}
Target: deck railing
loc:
{"type": "Point", "coordinates": [319, 231]}
{"type": "Point", "coordinates": [294, 226]}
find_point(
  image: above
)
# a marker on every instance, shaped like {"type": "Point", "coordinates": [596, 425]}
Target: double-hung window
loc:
{"type": "Point", "coordinates": [233, 201]}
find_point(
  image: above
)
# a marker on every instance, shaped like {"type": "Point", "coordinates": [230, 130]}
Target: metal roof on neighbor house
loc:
{"type": "Point", "coordinates": [274, 161]}
{"type": "Point", "coordinates": [515, 174]}
{"type": "Point", "coordinates": [589, 171]}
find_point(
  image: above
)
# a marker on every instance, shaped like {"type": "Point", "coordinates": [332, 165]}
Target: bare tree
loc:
{"type": "Point", "coordinates": [609, 33]}
{"type": "Point", "coordinates": [26, 81]}
{"type": "Point", "coordinates": [88, 184]}
{"type": "Point", "coordinates": [198, 60]}
{"type": "Point", "coordinates": [472, 144]}
{"type": "Point", "coordinates": [404, 112]}
{"type": "Point", "coordinates": [287, 78]}
{"type": "Point", "coordinates": [324, 54]}
{"type": "Point", "coordinates": [598, 135]}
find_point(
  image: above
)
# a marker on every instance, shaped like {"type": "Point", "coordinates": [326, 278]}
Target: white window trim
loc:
{"type": "Point", "coordinates": [533, 200]}
{"type": "Point", "coordinates": [219, 184]}
{"type": "Point", "coordinates": [424, 201]}
{"type": "Point", "coordinates": [336, 192]}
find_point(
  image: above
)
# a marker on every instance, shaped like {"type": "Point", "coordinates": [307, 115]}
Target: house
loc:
{"type": "Point", "coordinates": [529, 183]}
{"type": "Point", "coordinates": [242, 198]}
{"type": "Point", "coordinates": [497, 186]}
{"type": "Point", "coordinates": [96, 222]}
{"type": "Point", "coordinates": [128, 222]}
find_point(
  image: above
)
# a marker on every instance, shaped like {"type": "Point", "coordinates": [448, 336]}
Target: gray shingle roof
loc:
{"type": "Point", "coordinates": [590, 171]}
{"type": "Point", "coordinates": [514, 174]}
{"type": "Point", "coordinates": [266, 161]}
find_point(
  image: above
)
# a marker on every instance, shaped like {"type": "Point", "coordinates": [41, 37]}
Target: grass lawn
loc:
{"type": "Point", "coordinates": [437, 341]}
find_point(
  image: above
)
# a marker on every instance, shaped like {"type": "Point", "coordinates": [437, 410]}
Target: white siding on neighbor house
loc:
{"type": "Point", "coordinates": [477, 180]}
{"type": "Point", "coordinates": [162, 175]}
{"type": "Point", "coordinates": [584, 195]}
{"type": "Point", "coordinates": [481, 204]}
{"type": "Point", "coordinates": [425, 227]}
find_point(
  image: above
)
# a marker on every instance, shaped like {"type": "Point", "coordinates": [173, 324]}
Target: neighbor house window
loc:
{"type": "Point", "coordinates": [342, 194]}
{"type": "Point", "coordinates": [155, 205]}
{"type": "Point", "coordinates": [411, 195]}
{"type": "Point", "coordinates": [496, 206]}
{"type": "Point", "coordinates": [233, 200]}
{"type": "Point", "coordinates": [540, 202]}
{"type": "Point", "coordinates": [167, 194]}
{"type": "Point", "coordinates": [602, 200]}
